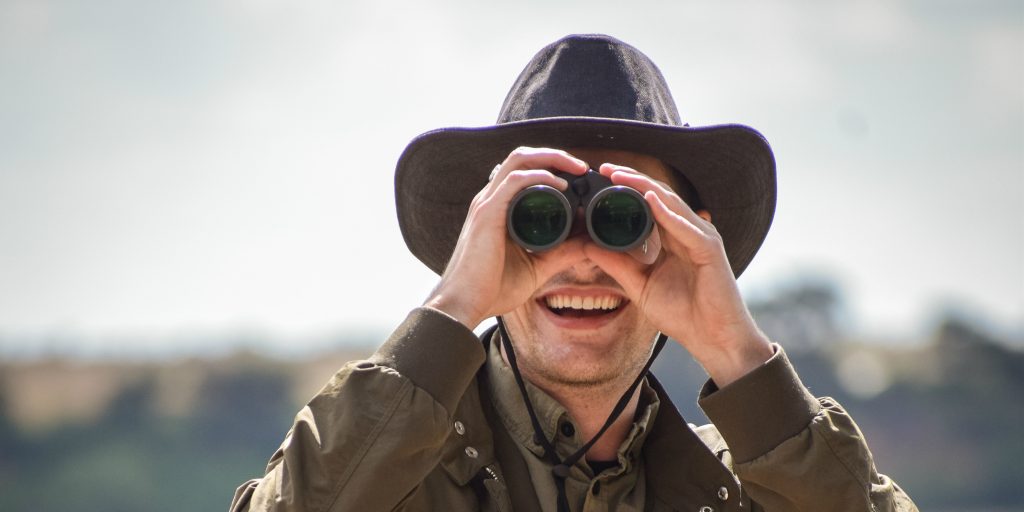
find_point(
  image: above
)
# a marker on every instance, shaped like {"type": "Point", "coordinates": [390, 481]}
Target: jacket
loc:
{"type": "Point", "coordinates": [414, 428]}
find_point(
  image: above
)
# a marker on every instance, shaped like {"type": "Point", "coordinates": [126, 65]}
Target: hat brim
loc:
{"type": "Point", "coordinates": [731, 167]}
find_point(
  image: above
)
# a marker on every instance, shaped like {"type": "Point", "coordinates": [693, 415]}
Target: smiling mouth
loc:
{"type": "Point", "coordinates": [576, 306]}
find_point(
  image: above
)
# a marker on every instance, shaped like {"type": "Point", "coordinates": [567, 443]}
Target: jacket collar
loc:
{"type": "Point", "coordinates": [682, 471]}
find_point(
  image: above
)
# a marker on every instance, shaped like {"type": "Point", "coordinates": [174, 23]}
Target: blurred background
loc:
{"type": "Point", "coordinates": [197, 220]}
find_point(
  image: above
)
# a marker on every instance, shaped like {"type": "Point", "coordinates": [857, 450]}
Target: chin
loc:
{"type": "Point", "coordinates": [582, 359]}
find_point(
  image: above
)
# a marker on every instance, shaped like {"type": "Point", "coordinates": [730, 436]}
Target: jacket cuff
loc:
{"type": "Point", "coordinates": [760, 410]}
{"type": "Point", "coordinates": [436, 352]}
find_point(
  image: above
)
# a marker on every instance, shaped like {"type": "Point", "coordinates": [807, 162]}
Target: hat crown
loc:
{"type": "Point", "coordinates": [590, 76]}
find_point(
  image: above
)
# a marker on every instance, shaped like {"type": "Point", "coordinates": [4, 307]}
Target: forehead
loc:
{"type": "Point", "coordinates": [644, 163]}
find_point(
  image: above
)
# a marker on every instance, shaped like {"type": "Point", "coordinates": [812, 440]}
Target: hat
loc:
{"type": "Point", "coordinates": [587, 91]}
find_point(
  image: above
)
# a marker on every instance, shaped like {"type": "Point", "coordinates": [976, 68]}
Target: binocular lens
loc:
{"type": "Point", "coordinates": [619, 218]}
{"type": "Point", "coordinates": [539, 217]}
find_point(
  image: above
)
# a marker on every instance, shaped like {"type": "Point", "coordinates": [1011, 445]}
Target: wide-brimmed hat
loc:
{"type": "Point", "coordinates": [587, 91]}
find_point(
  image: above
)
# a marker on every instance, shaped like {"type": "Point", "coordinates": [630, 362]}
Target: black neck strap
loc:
{"type": "Point", "coordinates": [560, 469]}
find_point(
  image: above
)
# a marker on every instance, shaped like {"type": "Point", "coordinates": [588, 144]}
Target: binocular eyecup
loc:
{"type": "Point", "coordinates": [618, 218]}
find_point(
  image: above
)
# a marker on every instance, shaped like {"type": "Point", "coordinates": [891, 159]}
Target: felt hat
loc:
{"type": "Point", "coordinates": [587, 91]}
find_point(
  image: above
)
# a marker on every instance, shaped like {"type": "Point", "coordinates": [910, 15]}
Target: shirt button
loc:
{"type": "Point", "coordinates": [567, 429]}
{"type": "Point", "coordinates": [460, 429]}
{"type": "Point", "coordinates": [723, 493]}
{"type": "Point", "coordinates": [471, 452]}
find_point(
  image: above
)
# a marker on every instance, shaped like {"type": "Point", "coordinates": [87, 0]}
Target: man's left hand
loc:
{"type": "Point", "coordinates": [688, 292]}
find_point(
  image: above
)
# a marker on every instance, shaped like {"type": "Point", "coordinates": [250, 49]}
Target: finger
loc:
{"type": "Point", "coordinates": [525, 157]}
{"type": "Point", "coordinates": [622, 267]}
{"type": "Point", "coordinates": [648, 251]}
{"type": "Point", "coordinates": [699, 245]}
{"type": "Point", "coordinates": [501, 194]}
{"type": "Point", "coordinates": [644, 184]}
{"type": "Point", "coordinates": [518, 180]}
{"type": "Point", "coordinates": [609, 170]}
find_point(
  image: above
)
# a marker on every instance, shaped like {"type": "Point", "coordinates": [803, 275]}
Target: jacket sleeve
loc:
{"type": "Point", "coordinates": [374, 432]}
{"type": "Point", "coordinates": [793, 452]}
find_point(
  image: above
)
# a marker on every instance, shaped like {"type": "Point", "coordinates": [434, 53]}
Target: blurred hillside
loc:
{"type": "Point", "coordinates": [942, 417]}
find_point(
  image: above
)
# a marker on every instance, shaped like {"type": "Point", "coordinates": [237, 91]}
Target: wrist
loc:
{"type": "Point", "coordinates": [739, 359]}
{"type": "Point", "coordinates": [455, 308]}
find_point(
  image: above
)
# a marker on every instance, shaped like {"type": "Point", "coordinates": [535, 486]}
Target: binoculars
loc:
{"type": "Point", "coordinates": [618, 218]}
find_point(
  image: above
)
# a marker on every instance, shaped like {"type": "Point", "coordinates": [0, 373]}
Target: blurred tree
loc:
{"type": "Point", "coordinates": [243, 406]}
{"type": "Point", "coordinates": [802, 315]}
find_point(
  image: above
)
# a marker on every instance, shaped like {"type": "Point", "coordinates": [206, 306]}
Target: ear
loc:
{"type": "Point", "coordinates": [704, 214]}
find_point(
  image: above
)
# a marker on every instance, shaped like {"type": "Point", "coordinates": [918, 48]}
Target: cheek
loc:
{"type": "Point", "coordinates": [519, 322]}
{"type": "Point", "coordinates": [567, 254]}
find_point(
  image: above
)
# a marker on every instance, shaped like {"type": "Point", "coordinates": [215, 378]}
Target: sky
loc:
{"type": "Point", "coordinates": [196, 171]}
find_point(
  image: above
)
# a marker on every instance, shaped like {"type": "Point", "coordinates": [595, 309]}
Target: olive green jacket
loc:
{"type": "Point", "coordinates": [413, 428]}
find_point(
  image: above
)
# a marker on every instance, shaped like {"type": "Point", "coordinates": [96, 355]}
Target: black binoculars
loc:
{"type": "Point", "coordinates": [618, 218]}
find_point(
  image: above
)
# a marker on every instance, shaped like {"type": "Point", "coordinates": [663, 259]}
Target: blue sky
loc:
{"type": "Point", "coordinates": [217, 167]}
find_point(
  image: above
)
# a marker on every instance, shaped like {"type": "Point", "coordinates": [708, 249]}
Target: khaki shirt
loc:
{"type": "Point", "coordinates": [414, 427]}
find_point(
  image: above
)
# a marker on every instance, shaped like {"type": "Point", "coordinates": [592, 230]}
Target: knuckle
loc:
{"type": "Point", "coordinates": [713, 241]}
{"type": "Point", "coordinates": [522, 151]}
{"type": "Point", "coordinates": [479, 198]}
{"type": "Point", "coordinates": [518, 177]}
{"type": "Point", "coordinates": [494, 173]}
{"type": "Point", "coordinates": [484, 203]}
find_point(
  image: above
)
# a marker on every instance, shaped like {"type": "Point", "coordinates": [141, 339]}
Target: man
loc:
{"type": "Point", "coordinates": [554, 410]}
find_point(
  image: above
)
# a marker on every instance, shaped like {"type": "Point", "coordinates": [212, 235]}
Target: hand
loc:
{"type": "Point", "coordinates": [488, 275]}
{"type": "Point", "coordinates": [689, 291]}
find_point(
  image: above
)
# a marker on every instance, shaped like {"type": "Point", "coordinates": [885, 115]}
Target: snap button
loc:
{"type": "Point", "coordinates": [706, 508]}
{"type": "Point", "coordinates": [567, 429]}
{"type": "Point", "coordinates": [723, 493]}
{"type": "Point", "coordinates": [460, 429]}
{"type": "Point", "coordinates": [471, 452]}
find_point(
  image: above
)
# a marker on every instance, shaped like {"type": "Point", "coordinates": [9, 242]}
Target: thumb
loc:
{"type": "Point", "coordinates": [622, 267]}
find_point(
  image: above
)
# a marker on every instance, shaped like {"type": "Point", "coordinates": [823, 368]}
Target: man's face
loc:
{"type": "Point", "coordinates": [579, 329]}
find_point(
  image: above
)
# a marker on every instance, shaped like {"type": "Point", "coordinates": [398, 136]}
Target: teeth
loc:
{"type": "Point", "coordinates": [584, 303]}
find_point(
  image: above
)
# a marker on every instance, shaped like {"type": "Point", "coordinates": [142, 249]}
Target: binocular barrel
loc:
{"type": "Point", "coordinates": [617, 217]}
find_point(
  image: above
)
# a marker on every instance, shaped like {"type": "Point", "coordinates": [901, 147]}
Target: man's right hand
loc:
{"type": "Point", "coordinates": [488, 274]}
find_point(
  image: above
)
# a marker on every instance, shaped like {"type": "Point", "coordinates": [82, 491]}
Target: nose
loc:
{"type": "Point", "coordinates": [579, 224]}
